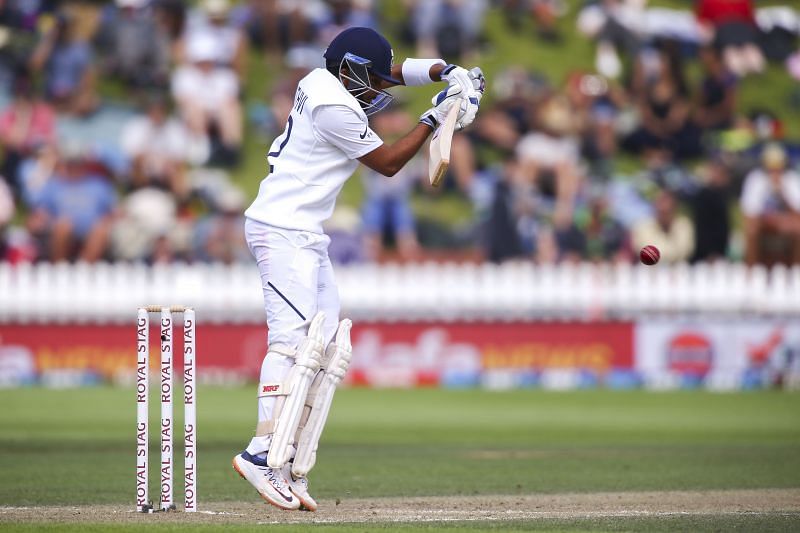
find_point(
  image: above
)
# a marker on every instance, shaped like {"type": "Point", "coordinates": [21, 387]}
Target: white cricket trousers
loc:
{"type": "Point", "coordinates": [297, 281]}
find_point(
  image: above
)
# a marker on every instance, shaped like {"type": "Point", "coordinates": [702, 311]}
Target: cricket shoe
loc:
{"type": "Point", "coordinates": [269, 482]}
{"type": "Point", "coordinates": [299, 486]}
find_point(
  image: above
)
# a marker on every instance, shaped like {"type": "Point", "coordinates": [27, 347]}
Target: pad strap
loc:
{"type": "Point", "coordinates": [418, 71]}
{"type": "Point", "coordinates": [267, 427]}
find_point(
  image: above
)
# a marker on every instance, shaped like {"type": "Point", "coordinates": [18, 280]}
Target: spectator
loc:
{"type": "Point", "coordinates": [716, 97]}
{"type": "Point", "coordinates": [444, 28]}
{"type": "Point", "coordinates": [387, 204]}
{"type": "Point", "coordinates": [516, 93]}
{"type": "Point", "coordinates": [25, 124]}
{"type": "Point", "coordinates": [16, 245]}
{"type": "Point", "coordinates": [145, 224]}
{"type": "Point", "coordinates": [35, 171]}
{"type": "Point", "coordinates": [343, 14]}
{"type": "Point", "coordinates": [171, 18]}
{"type": "Point", "coordinates": [219, 237]}
{"type": "Point", "coordinates": [504, 236]}
{"type": "Point", "coordinates": [74, 211]}
{"type": "Point", "coordinates": [207, 97]}
{"type": "Point", "coordinates": [616, 25]}
{"type": "Point", "coordinates": [160, 147]}
{"type": "Point", "coordinates": [10, 15]}
{"type": "Point", "coordinates": [597, 104]}
{"type": "Point", "coordinates": [249, 17]}
{"type": "Point", "coordinates": [532, 206]}
{"type": "Point", "coordinates": [771, 208]}
{"type": "Point", "coordinates": [741, 146]}
{"type": "Point", "coordinates": [665, 132]}
{"type": "Point", "coordinates": [550, 157]}
{"type": "Point", "coordinates": [544, 13]}
{"type": "Point", "coordinates": [671, 232]}
{"type": "Point", "coordinates": [16, 41]}
{"type": "Point", "coordinates": [66, 62]}
{"type": "Point", "coordinates": [596, 235]}
{"type": "Point", "coordinates": [710, 206]}
{"type": "Point", "coordinates": [212, 23]}
{"type": "Point", "coordinates": [136, 48]}
{"type": "Point", "coordinates": [732, 26]}
{"type": "Point", "coordinates": [281, 24]}
{"type": "Point", "coordinates": [662, 60]}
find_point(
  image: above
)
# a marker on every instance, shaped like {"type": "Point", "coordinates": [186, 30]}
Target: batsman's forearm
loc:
{"type": "Point", "coordinates": [388, 160]}
{"type": "Point", "coordinates": [407, 147]}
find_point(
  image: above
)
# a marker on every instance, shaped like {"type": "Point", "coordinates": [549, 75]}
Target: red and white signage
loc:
{"type": "Point", "coordinates": [664, 353]}
{"type": "Point", "coordinates": [397, 354]}
{"type": "Point", "coordinates": [717, 352]}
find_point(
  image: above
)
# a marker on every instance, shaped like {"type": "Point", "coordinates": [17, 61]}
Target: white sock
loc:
{"type": "Point", "coordinates": [258, 446]}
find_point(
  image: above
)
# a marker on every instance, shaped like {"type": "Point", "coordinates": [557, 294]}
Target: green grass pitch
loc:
{"type": "Point", "coordinates": [76, 446]}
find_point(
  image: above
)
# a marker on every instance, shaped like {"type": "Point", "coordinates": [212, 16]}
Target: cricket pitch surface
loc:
{"type": "Point", "coordinates": [441, 509]}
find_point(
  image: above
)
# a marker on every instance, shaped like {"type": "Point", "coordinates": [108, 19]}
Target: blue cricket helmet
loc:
{"type": "Point", "coordinates": [365, 43]}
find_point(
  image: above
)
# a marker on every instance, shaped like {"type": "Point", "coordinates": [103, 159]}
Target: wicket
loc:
{"type": "Point", "coordinates": [166, 503]}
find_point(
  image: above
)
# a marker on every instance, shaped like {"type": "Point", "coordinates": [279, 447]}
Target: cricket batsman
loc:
{"type": "Point", "coordinates": [327, 134]}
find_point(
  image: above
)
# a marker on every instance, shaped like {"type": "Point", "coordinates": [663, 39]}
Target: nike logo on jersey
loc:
{"type": "Point", "coordinates": [366, 129]}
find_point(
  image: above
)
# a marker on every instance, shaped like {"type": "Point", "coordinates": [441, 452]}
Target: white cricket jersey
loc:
{"type": "Point", "coordinates": [326, 132]}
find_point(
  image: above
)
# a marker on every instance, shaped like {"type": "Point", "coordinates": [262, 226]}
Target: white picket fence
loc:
{"type": "Point", "coordinates": [110, 293]}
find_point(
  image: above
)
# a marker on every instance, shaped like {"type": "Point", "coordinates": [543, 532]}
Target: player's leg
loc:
{"type": "Point", "coordinates": [328, 296]}
{"type": "Point", "coordinates": [334, 366]}
{"type": "Point", "coordinates": [280, 376]}
{"type": "Point", "coordinates": [291, 395]}
{"type": "Point", "coordinates": [289, 278]}
{"type": "Point", "coordinates": [288, 265]}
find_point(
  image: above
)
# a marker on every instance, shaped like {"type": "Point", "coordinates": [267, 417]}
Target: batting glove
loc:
{"type": "Point", "coordinates": [456, 76]}
{"type": "Point", "coordinates": [468, 107]}
{"type": "Point", "coordinates": [478, 81]}
{"type": "Point", "coordinates": [441, 105]}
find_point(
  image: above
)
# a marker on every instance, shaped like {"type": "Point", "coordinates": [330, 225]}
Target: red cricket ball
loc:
{"type": "Point", "coordinates": [649, 255]}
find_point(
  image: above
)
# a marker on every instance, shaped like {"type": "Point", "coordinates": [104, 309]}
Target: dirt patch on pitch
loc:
{"type": "Point", "coordinates": [440, 509]}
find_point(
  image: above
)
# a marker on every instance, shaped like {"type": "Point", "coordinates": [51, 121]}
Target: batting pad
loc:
{"type": "Point", "coordinates": [337, 361]}
{"type": "Point", "coordinates": [307, 362]}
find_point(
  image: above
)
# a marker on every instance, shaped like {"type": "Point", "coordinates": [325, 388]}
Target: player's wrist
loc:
{"type": "Point", "coordinates": [429, 119]}
{"type": "Point", "coordinates": [421, 71]}
{"type": "Point", "coordinates": [447, 69]}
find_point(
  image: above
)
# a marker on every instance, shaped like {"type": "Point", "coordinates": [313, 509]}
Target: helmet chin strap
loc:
{"type": "Point", "coordinates": [357, 83]}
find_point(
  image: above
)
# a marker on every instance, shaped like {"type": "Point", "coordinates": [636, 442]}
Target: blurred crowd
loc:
{"type": "Point", "coordinates": [121, 122]}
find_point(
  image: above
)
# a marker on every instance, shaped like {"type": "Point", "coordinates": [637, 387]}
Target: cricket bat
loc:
{"type": "Point", "coordinates": [440, 147]}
